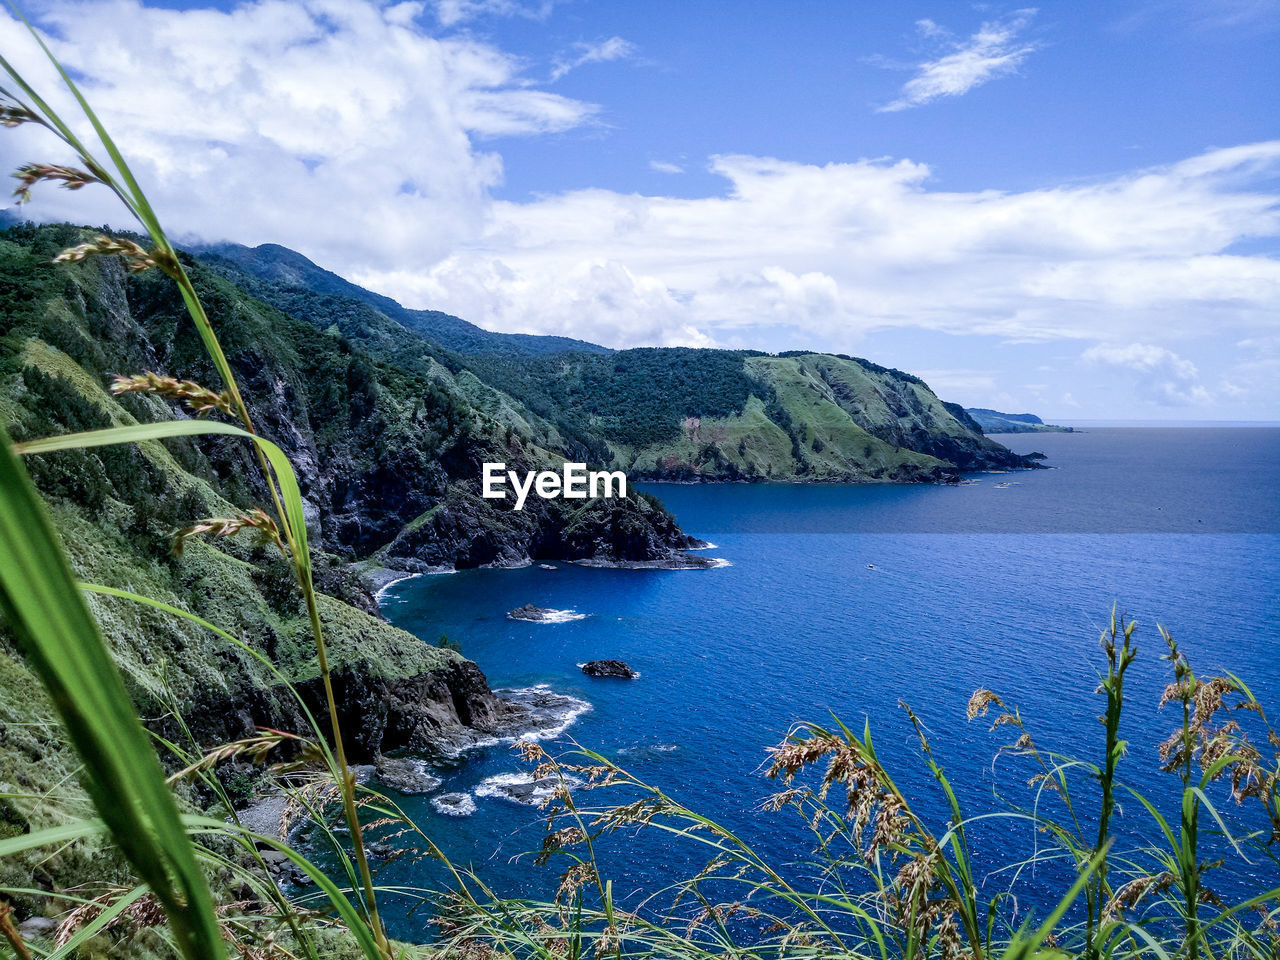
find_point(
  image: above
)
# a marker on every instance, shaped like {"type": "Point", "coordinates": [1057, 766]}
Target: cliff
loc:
{"type": "Point", "coordinates": [384, 437]}
{"type": "Point", "coordinates": [375, 447]}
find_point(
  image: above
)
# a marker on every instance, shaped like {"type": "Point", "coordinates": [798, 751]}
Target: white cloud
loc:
{"type": "Point", "coordinates": [1166, 377]}
{"type": "Point", "coordinates": [601, 51]}
{"type": "Point", "coordinates": [993, 51]}
{"type": "Point", "coordinates": [844, 249]}
{"type": "Point", "coordinates": [274, 124]}
{"type": "Point", "coordinates": [928, 28]}
{"type": "Point", "coordinates": [453, 12]}
{"type": "Point", "coordinates": [663, 166]}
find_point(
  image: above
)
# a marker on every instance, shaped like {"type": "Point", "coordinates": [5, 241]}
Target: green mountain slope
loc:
{"type": "Point", "coordinates": [63, 331]}
{"type": "Point", "coordinates": [677, 413]}
{"type": "Point", "coordinates": [659, 413]}
{"type": "Point", "coordinates": [287, 269]}
{"type": "Point", "coordinates": [993, 421]}
{"type": "Point", "coordinates": [381, 436]}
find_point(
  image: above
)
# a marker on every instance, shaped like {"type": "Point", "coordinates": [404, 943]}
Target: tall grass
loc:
{"type": "Point", "coordinates": [23, 105]}
{"type": "Point", "coordinates": [884, 880]}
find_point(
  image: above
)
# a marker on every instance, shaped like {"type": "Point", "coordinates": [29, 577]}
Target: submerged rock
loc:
{"type": "Point", "coordinates": [609, 668]}
{"type": "Point", "coordinates": [522, 788]}
{"type": "Point", "coordinates": [454, 804]}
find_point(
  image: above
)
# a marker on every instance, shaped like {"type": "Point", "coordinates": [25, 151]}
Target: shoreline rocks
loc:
{"type": "Point", "coordinates": [408, 776]}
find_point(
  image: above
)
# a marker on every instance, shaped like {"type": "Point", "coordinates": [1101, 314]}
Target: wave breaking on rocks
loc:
{"type": "Point", "coordinates": [522, 788]}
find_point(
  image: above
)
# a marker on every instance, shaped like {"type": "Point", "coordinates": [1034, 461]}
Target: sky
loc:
{"type": "Point", "coordinates": [1071, 209]}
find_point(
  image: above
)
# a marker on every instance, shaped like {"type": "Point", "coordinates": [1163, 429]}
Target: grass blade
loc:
{"type": "Point", "coordinates": [139, 433]}
{"type": "Point", "coordinates": [47, 614]}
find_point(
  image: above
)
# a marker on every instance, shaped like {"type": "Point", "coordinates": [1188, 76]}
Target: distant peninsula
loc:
{"type": "Point", "coordinates": [993, 421]}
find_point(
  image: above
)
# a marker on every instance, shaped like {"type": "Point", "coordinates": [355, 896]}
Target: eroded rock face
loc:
{"type": "Point", "coordinates": [440, 712]}
{"type": "Point", "coordinates": [465, 531]}
{"type": "Point", "coordinates": [609, 668]}
{"type": "Point", "coordinates": [443, 711]}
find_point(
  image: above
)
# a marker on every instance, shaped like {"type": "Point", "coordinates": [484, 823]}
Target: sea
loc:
{"type": "Point", "coordinates": [853, 602]}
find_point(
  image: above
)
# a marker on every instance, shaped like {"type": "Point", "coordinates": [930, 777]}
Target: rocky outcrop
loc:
{"type": "Point", "coordinates": [441, 712]}
{"type": "Point", "coordinates": [410, 775]}
{"type": "Point", "coordinates": [463, 531]}
{"type": "Point", "coordinates": [609, 668]}
{"type": "Point", "coordinates": [531, 613]}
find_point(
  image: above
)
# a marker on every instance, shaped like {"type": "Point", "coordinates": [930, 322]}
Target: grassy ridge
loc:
{"type": "Point", "coordinates": [629, 408]}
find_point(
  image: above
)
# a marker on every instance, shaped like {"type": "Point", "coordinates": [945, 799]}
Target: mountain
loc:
{"type": "Point", "coordinates": [679, 413]}
{"type": "Point", "coordinates": [387, 415]}
{"type": "Point", "coordinates": [285, 268]}
{"type": "Point", "coordinates": [657, 413]}
{"type": "Point", "coordinates": [993, 421]}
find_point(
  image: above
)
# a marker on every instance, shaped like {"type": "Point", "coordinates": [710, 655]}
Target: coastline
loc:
{"type": "Point", "coordinates": [383, 580]}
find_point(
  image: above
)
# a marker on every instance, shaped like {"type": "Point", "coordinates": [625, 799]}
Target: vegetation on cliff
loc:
{"type": "Point", "coordinates": [388, 441]}
{"type": "Point", "coordinates": [668, 413]}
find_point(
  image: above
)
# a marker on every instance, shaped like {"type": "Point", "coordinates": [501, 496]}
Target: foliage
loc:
{"type": "Point", "coordinates": [120, 773]}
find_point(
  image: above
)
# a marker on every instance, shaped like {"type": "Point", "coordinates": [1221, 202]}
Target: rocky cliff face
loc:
{"type": "Point", "coordinates": [443, 711]}
{"type": "Point", "coordinates": [464, 530]}
{"type": "Point", "coordinates": [378, 442]}
{"type": "Point", "coordinates": [374, 447]}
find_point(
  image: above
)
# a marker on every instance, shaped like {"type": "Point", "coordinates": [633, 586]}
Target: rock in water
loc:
{"type": "Point", "coordinates": [530, 612]}
{"type": "Point", "coordinates": [454, 804]}
{"type": "Point", "coordinates": [408, 776]}
{"type": "Point", "coordinates": [609, 668]}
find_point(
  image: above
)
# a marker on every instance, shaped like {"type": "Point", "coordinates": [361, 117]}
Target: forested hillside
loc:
{"type": "Point", "coordinates": [659, 413]}
{"type": "Point", "coordinates": [384, 449]}
{"type": "Point", "coordinates": [286, 269]}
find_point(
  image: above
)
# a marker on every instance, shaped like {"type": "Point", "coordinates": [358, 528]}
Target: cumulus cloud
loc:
{"type": "Point", "coordinates": [274, 124]}
{"type": "Point", "coordinates": [844, 249]}
{"type": "Point", "coordinates": [995, 50]}
{"type": "Point", "coordinates": [601, 51]}
{"type": "Point", "coordinates": [1168, 378]}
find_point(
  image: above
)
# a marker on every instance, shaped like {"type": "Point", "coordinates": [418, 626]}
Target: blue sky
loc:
{"type": "Point", "coordinates": [1106, 88]}
{"type": "Point", "coordinates": [1072, 209]}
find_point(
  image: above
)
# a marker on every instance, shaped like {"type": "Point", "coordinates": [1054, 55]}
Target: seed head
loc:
{"type": "Point", "coordinates": [137, 258]}
{"type": "Point", "coordinates": [255, 519]}
{"type": "Point", "coordinates": [30, 174]}
{"type": "Point", "coordinates": [981, 701]}
{"type": "Point", "coordinates": [200, 400]}
{"type": "Point", "coordinates": [15, 115]}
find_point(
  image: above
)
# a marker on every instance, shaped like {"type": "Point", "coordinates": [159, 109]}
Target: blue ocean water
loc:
{"type": "Point", "coordinates": [802, 625]}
